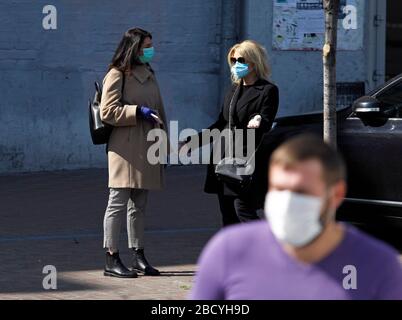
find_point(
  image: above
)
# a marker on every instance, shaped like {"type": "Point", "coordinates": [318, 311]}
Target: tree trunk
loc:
{"type": "Point", "coordinates": [331, 8]}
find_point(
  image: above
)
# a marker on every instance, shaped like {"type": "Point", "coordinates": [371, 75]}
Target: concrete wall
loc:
{"type": "Point", "coordinates": [46, 77]}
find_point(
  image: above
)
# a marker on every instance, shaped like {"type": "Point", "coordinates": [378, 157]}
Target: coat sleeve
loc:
{"type": "Point", "coordinates": [220, 123]}
{"type": "Point", "coordinates": [268, 110]}
{"type": "Point", "coordinates": [203, 137]}
{"type": "Point", "coordinates": [112, 111]}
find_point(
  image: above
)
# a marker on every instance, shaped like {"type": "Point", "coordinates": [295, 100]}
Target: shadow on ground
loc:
{"type": "Point", "coordinates": [55, 218]}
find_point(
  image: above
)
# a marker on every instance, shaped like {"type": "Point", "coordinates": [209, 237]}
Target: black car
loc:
{"type": "Point", "coordinates": [370, 140]}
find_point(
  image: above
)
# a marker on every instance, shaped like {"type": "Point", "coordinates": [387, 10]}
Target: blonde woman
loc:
{"type": "Point", "coordinates": [254, 106]}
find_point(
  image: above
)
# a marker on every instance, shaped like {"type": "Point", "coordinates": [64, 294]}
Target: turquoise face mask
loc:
{"type": "Point", "coordinates": [148, 55]}
{"type": "Point", "coordinates": [240, 70]}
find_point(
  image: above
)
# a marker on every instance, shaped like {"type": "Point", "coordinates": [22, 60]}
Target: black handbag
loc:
{"type": "Point", "coordinates": [236, 173]}
{"type": "Point", "coordinates": [100, 131]}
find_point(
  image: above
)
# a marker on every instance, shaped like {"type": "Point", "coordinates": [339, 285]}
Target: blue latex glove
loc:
{"type": "Point", "coordinates": [146, 113]}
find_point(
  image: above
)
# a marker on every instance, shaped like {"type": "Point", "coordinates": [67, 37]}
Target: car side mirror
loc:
{"type": "Point", "coordinates": [366, 106]}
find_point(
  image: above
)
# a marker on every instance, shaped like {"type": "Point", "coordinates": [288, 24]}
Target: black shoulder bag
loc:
{"type": "Point", "coordinates": [236, 173]}
{"type": "Point", "coordinates": [100, 131]}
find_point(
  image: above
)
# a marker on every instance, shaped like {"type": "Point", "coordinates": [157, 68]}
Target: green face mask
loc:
{"type": "Point", "coordinates": [148, 55]}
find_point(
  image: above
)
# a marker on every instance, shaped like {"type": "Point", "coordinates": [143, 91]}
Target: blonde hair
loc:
{"type": "Point", "coordinates": [253, 53]}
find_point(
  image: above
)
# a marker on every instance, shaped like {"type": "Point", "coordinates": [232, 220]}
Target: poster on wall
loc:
{"type": "Point", "coordinates": [300, 25]}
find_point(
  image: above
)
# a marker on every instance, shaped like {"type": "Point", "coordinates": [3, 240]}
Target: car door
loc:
{"type": "Point", "coordinates": [372, 149]}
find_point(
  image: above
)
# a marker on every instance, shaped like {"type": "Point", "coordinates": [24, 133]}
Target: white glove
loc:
{"type": "Point", "coordinates": [254, 122]}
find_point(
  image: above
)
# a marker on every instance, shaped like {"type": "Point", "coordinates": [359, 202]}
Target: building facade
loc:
{"type": "Point", "coordinates": [47, 74]}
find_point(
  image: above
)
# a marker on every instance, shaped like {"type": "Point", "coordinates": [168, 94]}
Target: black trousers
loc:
{"type": "Point", "coordinates": [235, 209]}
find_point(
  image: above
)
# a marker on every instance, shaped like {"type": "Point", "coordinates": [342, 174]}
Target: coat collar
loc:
{"type": "Point", "coordinates": [259, 85]}
{"type": "Point", "coordinates": [250, 94]}
{"type": "Point", "coordinates": [142, 73]}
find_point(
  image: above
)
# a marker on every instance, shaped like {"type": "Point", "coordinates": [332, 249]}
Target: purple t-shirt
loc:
{"type": "Point", "coordinates": [246, 262]}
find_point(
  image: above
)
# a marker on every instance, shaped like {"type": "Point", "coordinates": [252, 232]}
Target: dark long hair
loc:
{"type": "Point", "coordinates": [127, 52]}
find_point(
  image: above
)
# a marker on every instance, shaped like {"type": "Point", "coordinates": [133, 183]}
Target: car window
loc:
{"type": "Point", "coordinates": [391, 100]}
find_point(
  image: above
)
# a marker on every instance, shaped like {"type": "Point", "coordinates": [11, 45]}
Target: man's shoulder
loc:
{"type": "Point", "coordinates": [366, 243]}
{"type": "Point", "coordinates": [237, 238]}
{"type": "Point", "coordinates": [244, 232]}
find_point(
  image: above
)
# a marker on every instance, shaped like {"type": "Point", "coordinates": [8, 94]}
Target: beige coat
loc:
{"type": "Point", "coordinates": [128, 145]}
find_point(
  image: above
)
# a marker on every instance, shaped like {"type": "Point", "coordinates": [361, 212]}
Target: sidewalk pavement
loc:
{"type": "Point", "coordinates": [55, 218]}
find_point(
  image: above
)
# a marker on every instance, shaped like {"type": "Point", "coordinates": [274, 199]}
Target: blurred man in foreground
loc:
{"type": "Point", "coordinates": [300, 252]}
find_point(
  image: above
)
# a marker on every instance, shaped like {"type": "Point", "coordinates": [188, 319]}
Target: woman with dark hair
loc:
{"type": "Point", "coordinates": [131, 102]}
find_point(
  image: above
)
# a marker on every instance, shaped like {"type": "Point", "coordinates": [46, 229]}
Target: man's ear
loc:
{"type": "Point", "coordinates": [340, 189]}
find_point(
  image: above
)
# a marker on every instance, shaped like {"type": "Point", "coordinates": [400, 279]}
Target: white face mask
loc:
{"type": "Point", "coordinates": [294, 218]}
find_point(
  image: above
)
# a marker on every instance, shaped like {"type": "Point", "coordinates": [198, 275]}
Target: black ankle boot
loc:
{"type": "Point", "coordinates": [115, 268]}
{"type": "Point", "coordinates": [141, 264]}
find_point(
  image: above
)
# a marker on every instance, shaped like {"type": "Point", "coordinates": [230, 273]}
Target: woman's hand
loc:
{"type": "Point", "coordinates": [147, 113]}
{"type": "Point", "coordinates": [255, 122]}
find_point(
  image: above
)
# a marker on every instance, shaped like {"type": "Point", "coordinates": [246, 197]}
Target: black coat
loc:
{"type": "Point", "coordinates": [261, 98]}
